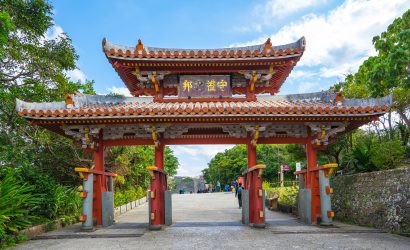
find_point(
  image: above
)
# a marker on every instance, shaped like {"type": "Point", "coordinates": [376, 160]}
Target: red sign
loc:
{"type": "Point", "coordinates": [196, 86]}
{"type": "Point", "coordinates": [285, 168]}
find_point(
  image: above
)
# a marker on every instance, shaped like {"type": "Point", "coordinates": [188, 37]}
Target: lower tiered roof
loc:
{"type": "Point", "coordinates": [91, 107]}
{"type": "Point", "coordinates": [316, 117]}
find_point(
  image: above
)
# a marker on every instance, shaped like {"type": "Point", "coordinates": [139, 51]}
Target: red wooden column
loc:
{"type": "Point", "coordinates": [158, 187]}
{"type": "Point", "coordinates": [254, 185]}
{"type": "Point", "coordinates": [312, 180]}
{"type": "Point", "coordinates": [100, 184]}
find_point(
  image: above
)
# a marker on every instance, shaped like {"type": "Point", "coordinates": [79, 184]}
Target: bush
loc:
{"type": "Point", "coordinates": [67, 201]}
{"type": "Point", "coordinates": [16, 202]}
{"type": "Point", "coordinates": [287, 195]}
{"type": "Point", "coordinates": [387, 154]}
{"type": "Point", "coordinates": [122, 197]}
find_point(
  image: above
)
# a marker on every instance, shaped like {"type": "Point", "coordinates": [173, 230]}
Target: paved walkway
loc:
{"type": "Point", "coordinates": [212, 221]}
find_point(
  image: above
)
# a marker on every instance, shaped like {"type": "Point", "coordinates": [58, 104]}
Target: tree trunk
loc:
{"type": "Point", "coordinates": [404, 117]}
{"type": "Point", "coordinates": [391, 132]}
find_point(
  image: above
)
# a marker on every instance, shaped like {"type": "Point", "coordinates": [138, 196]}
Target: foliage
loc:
{"type": "Point", "coordinates": [228, 166]}
{"type": "Point", "coordinates": [66, 201]}
{"type": "Point", "coordinates": [11, 240]}
{"type": "Point", "coordinates": [365, 151]}
{"type": "Point", "coordinates": [389, 71]}
{"type": "Point", "coordinates": [266, 185]}
{"type": "Point", "coordinates": [287, 195]}
{"type": "Point", "coordinates": [17, 200]}
{"type": "Point", "coordinates": [387, 155]}
{"type": "Point", "coordinates": [122, 197]}
{"type": "Point", "coordinates": [33, 67]}
{"type": "Point", "coordinates": [5, 27]}
{"type": "Point", "coordinates": [131, 164]}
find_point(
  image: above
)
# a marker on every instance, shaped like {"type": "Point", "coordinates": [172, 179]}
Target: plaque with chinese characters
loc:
{"type": "Point", "coordinates": [196, 86]}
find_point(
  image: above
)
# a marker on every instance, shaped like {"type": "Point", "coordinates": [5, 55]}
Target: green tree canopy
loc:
{"type": "Point", "coordinates": [227, 166]}
{"type": "Point", "coordinates": [389, 71]}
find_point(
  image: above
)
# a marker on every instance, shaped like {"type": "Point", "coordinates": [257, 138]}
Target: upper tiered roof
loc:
{"type": "Point", "coordinates": [129, 62]}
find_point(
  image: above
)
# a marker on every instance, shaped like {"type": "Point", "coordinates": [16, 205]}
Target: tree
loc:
{"type": "Point", "coordinates": [389, 71]}
{"type": "Point", "coordinates": [5, 27]}
{"type": "Point", "coordinates": [33, 68]}
{"type": "Point", "coordinates": [171, 162]}
{"type": "Point", "coordinates": [228, 165]}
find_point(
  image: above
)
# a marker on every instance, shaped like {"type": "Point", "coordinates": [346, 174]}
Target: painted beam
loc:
{"type": "Point", "coordinates": [208, 141]}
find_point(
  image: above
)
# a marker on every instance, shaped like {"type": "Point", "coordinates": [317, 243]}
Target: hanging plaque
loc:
{"type": "Point", "coordinates": [196, 86]}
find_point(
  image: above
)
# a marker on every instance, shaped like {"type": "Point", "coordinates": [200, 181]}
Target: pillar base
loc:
{"type": "Point", "coordinates": [326, 225]}
{"type": "Point", "coordinates": [263, 225]}
{"type": "Point", "coordinates": [88, 229]}
{"type": "Point", "coordinates": [155, 227]}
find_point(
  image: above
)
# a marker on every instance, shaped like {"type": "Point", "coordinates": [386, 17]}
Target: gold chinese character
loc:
{"type": "Point", "coordinates": [187, 85]}
{"type": "Point", "coordinates": [211, 85]}
{"type": "Point", "coordinates": [222, 84]}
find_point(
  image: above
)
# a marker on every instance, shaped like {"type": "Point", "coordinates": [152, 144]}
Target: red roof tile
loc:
{"type": "Point", "coordinates": [291, 105]}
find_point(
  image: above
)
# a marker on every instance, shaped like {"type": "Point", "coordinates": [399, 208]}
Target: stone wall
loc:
{"type": "Point", "coordinates": [379, 199]}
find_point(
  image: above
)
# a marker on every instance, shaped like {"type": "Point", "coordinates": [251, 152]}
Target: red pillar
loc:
{"type": "Point", "coordinates": [159, 156]}
{"type": "Point", "coordinates": [100, 184]}
{"type": "Point", "coordinates": [158, 187]}
{"type": "Point", "coordinates": [251, 155]}
{"type": "Point", "coordinates": [254, 185]}
{"type": "Point", "coordinates": [312, 180]}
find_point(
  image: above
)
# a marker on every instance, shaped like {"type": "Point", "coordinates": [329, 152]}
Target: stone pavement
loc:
{"type": "Point", "coordinates": [212, 221]}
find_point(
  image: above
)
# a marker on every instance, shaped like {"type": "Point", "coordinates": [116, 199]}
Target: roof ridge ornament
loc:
{"type": "Point", "coordinates": [140, 47]}
{"type": "Point", "coordinates": [69, 102]}
{"type": "Point", "coordinates": [339, 98]}
{"type": "Point", "coordinates": [268, 45]}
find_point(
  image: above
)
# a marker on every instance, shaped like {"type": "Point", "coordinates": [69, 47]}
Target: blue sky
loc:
{"type": "Point", "coordinates": [338, 34]}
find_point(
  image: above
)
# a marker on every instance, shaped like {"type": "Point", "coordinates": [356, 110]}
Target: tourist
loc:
{"type": "Point", "coordinates": [218, 186]}
{"type": "Point", "coordinates": [240, 195]}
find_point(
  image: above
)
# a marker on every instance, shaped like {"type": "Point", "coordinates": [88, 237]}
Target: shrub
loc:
{"type": "Point", "coordinates": [67, 201]}
{"type": "Point", "coordinates": [287, 195]}
{"type": "Point", "coordinates": [122, 197]}
{"type": "Point", "coordinates": [16, 202]}
{"type": "Point", "coordinates": [387, 154]}
{"type": "Point", "coordinates": [266, 185]}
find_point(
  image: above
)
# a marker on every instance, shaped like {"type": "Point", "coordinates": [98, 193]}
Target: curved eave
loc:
{"type": "Point", "coordinates": [89, 107]}
{"type": "Point", "coordinates": [206, 59]}
{"type": "Point", "coordinates": [139, 52]}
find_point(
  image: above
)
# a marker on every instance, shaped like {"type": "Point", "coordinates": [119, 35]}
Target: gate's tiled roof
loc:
{"type": "Point", "coordinates": [261, 50]}
{"type": "Point", "coordinates": [96, 106]}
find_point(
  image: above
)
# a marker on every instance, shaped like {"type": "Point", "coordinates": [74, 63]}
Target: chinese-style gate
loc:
{"type": "Point", "coordinates": [208, 96]}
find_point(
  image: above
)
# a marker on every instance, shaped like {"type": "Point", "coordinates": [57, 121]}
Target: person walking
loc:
{"type": "Point", "coordinates": [236, 185]}
{"type": "Point", "coordinates": [240, 195]}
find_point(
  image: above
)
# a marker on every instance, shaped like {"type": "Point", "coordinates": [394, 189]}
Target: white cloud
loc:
{"type": "Point", "coordinates": [305, 87]}
{"type": "Point", "coordinates": [339, 41]}
{"type": "Point", "coordinates": [76, 75]}
{"type": "Point", "coordinates": [252, 28]}
{"type": "Point", "coordinates": [55, 32]}
{"type": "Point", "coordinates": [295, 74]}
{"type": "Point", "coordinates": [343, 36]}
{"type": "Point", "coordinates": [119, 90]}
{"type": "Point", "coordinates": [183, 150]}
{"type": "Point", "coordinates": [274, 9]}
